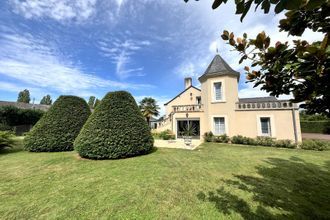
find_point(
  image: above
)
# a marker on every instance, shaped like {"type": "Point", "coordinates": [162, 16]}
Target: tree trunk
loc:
{"type": "Point", "coordinates": [148, 121]}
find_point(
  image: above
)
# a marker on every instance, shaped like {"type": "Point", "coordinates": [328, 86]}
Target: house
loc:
{"type": "Point", "coordinates": [216, 107]}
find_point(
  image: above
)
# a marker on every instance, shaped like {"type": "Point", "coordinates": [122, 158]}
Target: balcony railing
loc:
{"type": "Point", "coordinates": [187, 108]}
{"type": "Point", "coordinates": [243, 106]}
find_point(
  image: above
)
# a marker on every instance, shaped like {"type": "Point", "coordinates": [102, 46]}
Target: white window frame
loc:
{"type": "Point", "coordinates": [272, 126]}
{"type": "Point", "coordinates": [226, 123]}
{"type": "Point", "coordinates": [223, 95]}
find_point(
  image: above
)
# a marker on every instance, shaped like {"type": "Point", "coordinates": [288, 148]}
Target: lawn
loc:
{"type": "Point", "coordinates": [216, 181]}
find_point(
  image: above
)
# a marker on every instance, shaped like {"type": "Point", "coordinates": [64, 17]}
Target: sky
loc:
{"type": "Point", "coordinates": [146, 47]}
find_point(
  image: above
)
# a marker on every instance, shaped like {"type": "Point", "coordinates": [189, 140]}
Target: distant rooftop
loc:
{"type": "Point", "coordinates": [218, 67]}
{"type": "Point", "coordinates": [23, 105]}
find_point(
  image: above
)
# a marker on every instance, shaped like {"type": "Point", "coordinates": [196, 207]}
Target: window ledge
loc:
{"type": "Point", "coordinates": [215, 102]}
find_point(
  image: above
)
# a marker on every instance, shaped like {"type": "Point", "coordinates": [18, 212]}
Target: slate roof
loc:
{"type": "Point", "coordinates": [258, 99]}
{"type": "Point", "coordinates": [23, 105]}
{"type": "Point", "coordinates": [218, 67]}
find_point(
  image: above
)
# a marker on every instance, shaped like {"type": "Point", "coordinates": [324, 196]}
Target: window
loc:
{"type": "Point", "coordinates": [198, 100]}
{"type": "Point", "coordinates": [217, 91]}
{"type": "Point", "coordinates": [219, 126]}
{"type": "Point", "coordinates": [265, 126]}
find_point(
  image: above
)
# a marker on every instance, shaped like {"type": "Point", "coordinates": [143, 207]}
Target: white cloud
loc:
{"type": "Point", "coordinates": [250, 92]}
{"type": "Point", "coordinates": [33, 62]}
{"type": "Point", "coordinates": [60, 10]}
{"type": "Point", "coordinates": [121, 52]}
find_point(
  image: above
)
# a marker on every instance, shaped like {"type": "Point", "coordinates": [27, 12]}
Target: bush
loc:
{"type": "Point", "coordinates": [167, 135]}
{"type": "Point", "coordinates": [221, 139]}
{"type": "Point", "coordinates": [315, 127]}
{"type": "Point", "coordinates": [116, 129]}
{"type": "Point", "coordinates": [239, 139]}
{"type": "Point", "coordinates": [208, 136]}
{"type": "Point", "coordinates": [284, 144]}
{"type": "Point", "coordinates": [6, 139]}
{"type": "Point", "coordinates": [315, 145]}
{"type": "Point", "coordinates": [58, 128]}
{"type": "Point", "coordinates": [265, 141]}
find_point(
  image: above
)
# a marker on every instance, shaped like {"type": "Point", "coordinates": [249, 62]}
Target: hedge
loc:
{"type": "Point", "coordinates": [116, 129]}
{"type": "Point", "coordinates": [12, 116]}
{"type": "Point", "coordinates": [315, 127]}
{"type": "Point", "coordinates": [59, 126]}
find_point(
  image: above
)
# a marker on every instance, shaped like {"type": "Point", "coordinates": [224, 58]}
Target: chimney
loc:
{"type": "Point", "coordinates": [187, 82]}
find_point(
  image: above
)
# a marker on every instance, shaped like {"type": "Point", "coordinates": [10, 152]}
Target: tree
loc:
{"type": "Point", "coordinates": [24, 96]}
{"type": "Point", "coordinates": [46, 100]}
{"type": "Point", "coordinates": [116, 129]}
{"type": "Point", "coordinates": [91, 101]}
{"type": "Point", "coordinates": [97, 102]}
{"type": "Point", "coordinates": [59, 126]}
{"type": "Point", "coordinates": [301, 68]}
{"type": "Point", "coordinates": [149, 108]}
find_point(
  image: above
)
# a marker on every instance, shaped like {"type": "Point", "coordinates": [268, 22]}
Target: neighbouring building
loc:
{"type": "Point", "coordinates": [216, 107]}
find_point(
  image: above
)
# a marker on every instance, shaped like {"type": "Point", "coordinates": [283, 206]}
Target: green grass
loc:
{"type": "Point", "coordinates": [216, 181]}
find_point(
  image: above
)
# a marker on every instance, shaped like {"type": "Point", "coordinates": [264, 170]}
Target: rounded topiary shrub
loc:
{"type": "Point", "coordinates": [59, 126]}
{"type": "Point", "coordinates": [116, 129]}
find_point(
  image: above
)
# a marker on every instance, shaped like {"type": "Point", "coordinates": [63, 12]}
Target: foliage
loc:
{"type": "Point", "coordinates": [301, 68]}
{"type": "Point", "coordinates": [315, 145]}
{"type": "Point", "coordinates": [265, 141]}
{"type": "Point", "coordinates": [5, 127]}
{"type": "Point", "coordinates": [166, 135]}
{"type": "Point", "coordinates": [149, 108]}
{"type": "Point", "coordinates": [59, 126]}
{"type": "Point", "coordinates": [91, 101]}
{"type": "Point", "coordinates": [284, 144]}
{"type": "Point", "coordinates": [315, 127]}
{"type": "Point", "coordinates": [221, 139]}
{"type": "Point", "coordinates": [262, 141]}
{"type": "Point", "coordinates": [6, 139]}
{"type": "Point", "coordinates": [116, 129]}
{"type": "Point", "coordinates": [13, 116]}
{"type": "Point", "coordinates": [189, 130]}
{"type": "Point", "coordinates": [208, 136]}
{"type": "Point", "coordinates": [46, 100]}
{"type": "Point", "coordinates": [314, 117]}
{"type": "Point", "coordinates": [239, 139]}
{"type": "Point", "coordinates": [97, 102]}
{"type": "Point", "coordinates": [24, 96]}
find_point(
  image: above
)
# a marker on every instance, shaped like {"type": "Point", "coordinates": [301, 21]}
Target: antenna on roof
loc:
{"type": "Point", "coordinates": [217, 50]}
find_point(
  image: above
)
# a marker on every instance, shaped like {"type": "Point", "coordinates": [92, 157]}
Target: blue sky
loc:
{"type": "Point", "coordinates": [90, 47]}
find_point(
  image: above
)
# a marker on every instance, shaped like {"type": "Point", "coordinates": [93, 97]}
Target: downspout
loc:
{"type": "Point", "coordinates": [294, 126]}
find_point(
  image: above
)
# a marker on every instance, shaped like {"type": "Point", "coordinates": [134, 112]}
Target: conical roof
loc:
{"type": "Point", "coordinates": [218, 67]}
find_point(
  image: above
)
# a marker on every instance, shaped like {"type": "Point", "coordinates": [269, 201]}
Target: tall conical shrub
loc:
{"type": "Point", "coordinates": [59, 126]}
{"type": "Point", "coordinates": [116, 129]}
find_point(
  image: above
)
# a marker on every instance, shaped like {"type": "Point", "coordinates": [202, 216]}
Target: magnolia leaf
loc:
{"type": "Point", "coordinates": [216, 4]}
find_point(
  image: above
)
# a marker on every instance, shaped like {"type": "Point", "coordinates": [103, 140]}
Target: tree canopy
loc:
{"type": "Point", "coordinates": [300, 67]}
{"type": "Point", "coordinates": [46, 100]}
{"type": "Point", "coordinates": [149, 108]}
{"type": "Point", "coordinates": [24, 96]}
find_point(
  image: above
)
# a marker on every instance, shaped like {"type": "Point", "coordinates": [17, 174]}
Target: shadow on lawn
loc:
{"type": "Point", "coordinates": [300, 190]}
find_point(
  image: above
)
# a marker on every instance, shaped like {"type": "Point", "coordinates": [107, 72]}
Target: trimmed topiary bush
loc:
{"type": "Point", "coordinates": [116, 129]}
{"type": "Point", "coordinates": [58, 128]}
